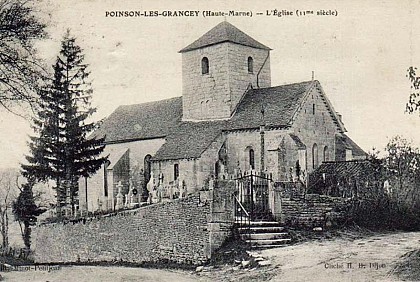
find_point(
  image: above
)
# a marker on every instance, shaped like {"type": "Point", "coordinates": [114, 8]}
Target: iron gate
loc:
{"type": "Point", "coordinates": [253, 194]}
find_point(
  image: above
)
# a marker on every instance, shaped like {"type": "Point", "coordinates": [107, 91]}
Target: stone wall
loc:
{"type": "Point", "coordinates": [187, 173]}
{"type": "Point", "coordinates": [92, 189]}
{"type": "Point", "coordinates": [206, 96]}
{"type": "Point", "coordinates": [238, 145]}
{"type": "Point", "coordinates": [239, 77]}
{"type": "Point", "coordinates": [314, 210]}
{"type": "Point", "coordinates": [215, 95]}
{"type": "Point", "coordinates": [316, 128]}
{"type": "Point", "coordinates": [183, 231]}
{"type": "Point", "coordinates": [208, 160]}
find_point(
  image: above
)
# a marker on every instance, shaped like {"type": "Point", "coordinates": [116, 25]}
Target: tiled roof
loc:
{"type": "Point", "coordinates": [344, 168]}
{"type": "Point", "coordinates": [341, 169]}
{"type": "Point", "coordinates": [279, 104]}
{"type": "Point", "coordinates": [345, 142]}
{"type": "Point", "coordinates": [224, 32]}
{"type": "Point", "coordinates": [298, 142]}
{"type": "Point", "coordinates": [163, 119]}
{"type": "Point", "coordinates": [114, 155]}
{"type": "Point", "coordinates": [142, 121]}
{"type": "Point", "coordinates": [189, 140]}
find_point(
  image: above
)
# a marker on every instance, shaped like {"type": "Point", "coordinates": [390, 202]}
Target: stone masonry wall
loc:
{"type": "Point", "coordinates": [208, 159]}
{"type": "Point", "coordinates": [316, 128]}
{"type": "Point", "coordinates": [95, 184]}
{"type": "Point", "coordinates": [206, 96]}
{"type": "Point", "coordinates": [314, 210]}
{"type": "Point", "coordinates": [239, 77]}
{"type": "Point", "coordinates": [237, 144]}
{"type": "Point", "coordinates": [215, 95]}
{"type": "Point", "coordinates": [183, 231]}
{"type": "Point", "coordinates": [187, 172]}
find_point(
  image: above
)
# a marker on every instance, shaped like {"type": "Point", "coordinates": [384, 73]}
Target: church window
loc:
{"type": "Point", "coordinates": [313, 109]}
{"type": "Point", "coordinates": [147, 167]}
{"type": "Point", "coordinates": [106, 165]}
{"type": "Point", "coordinates": [250, 65]}
{"type": "Point", "coordinates": [223, 154]}
{"type": "Point", "coordinates": [315, 156]}
{"type": "Point", "coordinates": [176, 171]}
{"type": "Point", "coordinates": [251, 159]}
{"type": "Point", "coordinates": [297, 169]}
{"type": "Point", "coordinates": [205, 65]}
{"type": "Point", "coordinates": [326, 154]}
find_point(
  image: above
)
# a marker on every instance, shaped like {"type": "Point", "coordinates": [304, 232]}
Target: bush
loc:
{"type": "Point", "coordinates": [384, 212]}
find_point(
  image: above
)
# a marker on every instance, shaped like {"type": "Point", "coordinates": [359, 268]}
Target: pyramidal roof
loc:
{"type": "Point", "coordinates": [224, 32]}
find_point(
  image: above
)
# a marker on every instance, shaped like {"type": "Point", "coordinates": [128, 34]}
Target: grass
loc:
{"type": "Point", "coordinates": [232, 250]}
{"type": "Point", "coordinates": [351, 232]}
{"type": "Point", "coordinates": [408, 268]}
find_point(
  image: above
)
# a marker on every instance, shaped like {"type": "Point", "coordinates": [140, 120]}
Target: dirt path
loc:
{"type": "Point", "coordinates": [100, 273]}
{"type": "Point", "coordinates": [368, 259]}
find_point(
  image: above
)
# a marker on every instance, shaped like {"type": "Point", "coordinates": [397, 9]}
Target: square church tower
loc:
{"type": "Point", "coordinates": [217, 70]}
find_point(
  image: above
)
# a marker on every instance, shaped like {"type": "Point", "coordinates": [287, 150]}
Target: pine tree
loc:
{"type": "Point", "coordinates": [61, 151]}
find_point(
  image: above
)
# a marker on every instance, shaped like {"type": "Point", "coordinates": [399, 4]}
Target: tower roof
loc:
{"type": "Point", "coordinates": [224, 32]}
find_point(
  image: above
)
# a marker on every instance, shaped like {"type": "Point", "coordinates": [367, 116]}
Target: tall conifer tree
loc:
{"type": "Point", "coordinates": [61, 150]}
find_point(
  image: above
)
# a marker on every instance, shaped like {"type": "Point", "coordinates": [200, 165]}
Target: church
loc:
{"type": "Point", "coordinates": [229, 120]}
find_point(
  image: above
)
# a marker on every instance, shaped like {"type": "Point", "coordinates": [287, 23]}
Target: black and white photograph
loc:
{"type": "Point", "coordinates": [209, 140]}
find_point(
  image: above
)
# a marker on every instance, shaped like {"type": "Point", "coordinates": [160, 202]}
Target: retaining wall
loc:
{"type": "Point", "coordinates": [314, 210]}
{"type": "Point", "coordinates": [183, 231]}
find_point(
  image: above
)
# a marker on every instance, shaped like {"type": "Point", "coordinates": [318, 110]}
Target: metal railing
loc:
{"type": "Point", "coordinates": [253, 194]}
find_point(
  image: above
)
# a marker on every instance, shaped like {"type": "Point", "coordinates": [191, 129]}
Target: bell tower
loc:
{"type": "Point", "coordinates": [217, 70]}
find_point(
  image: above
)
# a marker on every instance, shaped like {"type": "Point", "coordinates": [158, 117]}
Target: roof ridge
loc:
{"type": "Point", "coordinates": [224, 32]}
{"type": "Point", "coordinates": [283, 85]}
{"type": "Point", "coordinates": [151, 102]}
{"type": "Point", "coordinates": [298, 107]}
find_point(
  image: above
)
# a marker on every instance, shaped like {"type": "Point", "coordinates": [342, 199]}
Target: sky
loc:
{"type": "Point", "coordinates": [360, 56]}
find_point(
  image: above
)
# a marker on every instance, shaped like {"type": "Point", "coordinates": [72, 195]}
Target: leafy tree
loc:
{"type": "Point", "coordinates": [402, 165]}
{"type": "Point", "coordinates": [20, 71]}
{"type": "Point", "coordinates": [413, 104]}
{"type": "Point", "coordinates": [61, 150]}
{"type": "Point", "coordinates": [25, 211]}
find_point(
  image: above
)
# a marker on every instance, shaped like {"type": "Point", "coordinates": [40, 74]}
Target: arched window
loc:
{"type": "Point", "coordinates": [250, 65]}
{"type": "Point", "coordinates": [106, 165]}
{"type": "Point", "coordinates": [315, 156]}
{"type": "Point", "coordinates": [205, 65]}
{"type": "Point", "coordinates": [297, 169]}
{"type": "Point", "coordinates": [147, 167]}
{"type": "Point", "coordinates": [176, 171]}
{"type": "Point", "coordinates": [326, 154]}
{"type": "Point", "coordinates": [251, 159]}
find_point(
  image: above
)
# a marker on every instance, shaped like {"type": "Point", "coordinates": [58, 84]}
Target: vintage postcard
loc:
{"type": "Point", "coordinates": [209, 141]}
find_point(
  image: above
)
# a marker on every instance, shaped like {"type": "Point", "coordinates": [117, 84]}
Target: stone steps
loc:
{"type": "Point", "coordinates": [269, 243]}
{"type": "Point", "coordinates": [261, 229]}
{"type": "Point", "coordinates": [264, 234]}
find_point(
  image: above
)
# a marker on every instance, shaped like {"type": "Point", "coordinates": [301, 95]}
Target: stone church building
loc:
{"type": "Point", "coordinates": [229, 119]}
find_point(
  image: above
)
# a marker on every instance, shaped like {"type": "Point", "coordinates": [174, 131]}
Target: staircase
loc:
{"type": "Point", "coordinates": [263, 234]}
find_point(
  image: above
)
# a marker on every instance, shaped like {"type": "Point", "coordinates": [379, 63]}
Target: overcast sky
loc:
{"type": "Point", "coordinates": [360, 57]}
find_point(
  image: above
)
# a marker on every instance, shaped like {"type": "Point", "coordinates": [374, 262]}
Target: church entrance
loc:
{"type": "Point", "coordinates": [253, 196]}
